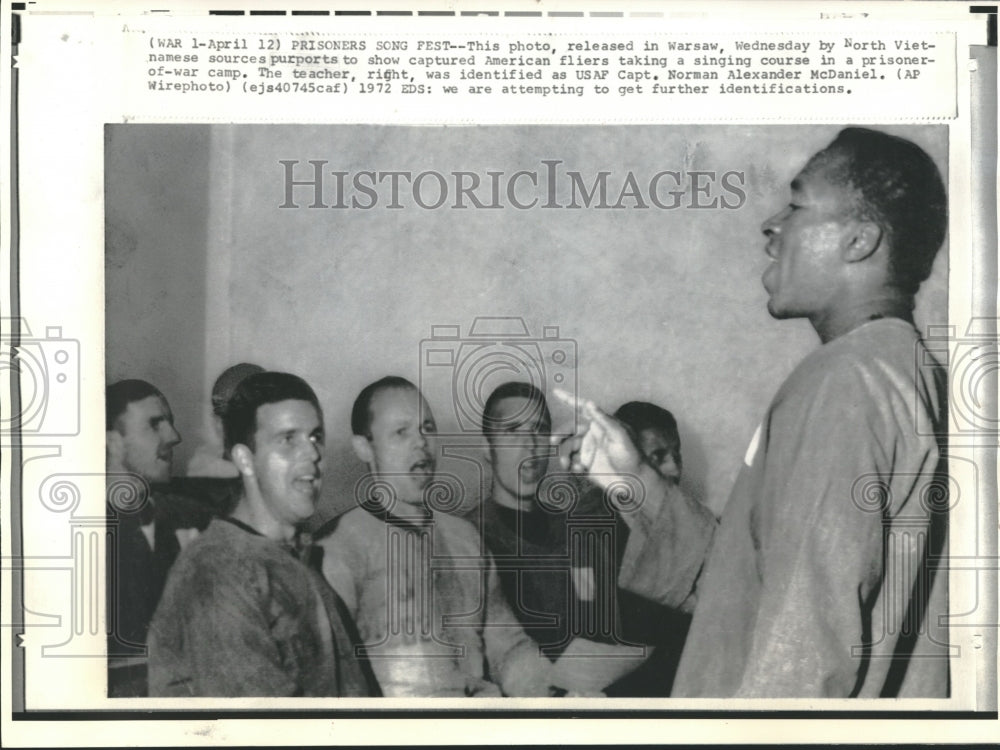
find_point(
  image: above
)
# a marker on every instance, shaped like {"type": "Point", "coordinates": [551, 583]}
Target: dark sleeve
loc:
{"type": "Point", "coordinates": [224, 622]}
{"type": "Point", "coordinates": [514, 660]}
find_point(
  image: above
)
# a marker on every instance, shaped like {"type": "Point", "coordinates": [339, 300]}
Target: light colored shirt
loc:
{"type": "Point", "coordinates": [429, 609]}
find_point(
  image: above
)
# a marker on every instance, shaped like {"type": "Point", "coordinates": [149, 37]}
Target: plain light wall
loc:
{"type": "Point", "coordinates": [156, 218]}
{"type": "Point", "coordinates": [660, 305]}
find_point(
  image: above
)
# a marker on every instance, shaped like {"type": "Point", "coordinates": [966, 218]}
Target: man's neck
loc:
{"type": "Point", "coordinates": [845, 318]}
{"type": "Point", "coordinates": [262, 522]}
{"type": "Point", "coordinates": [506, 499]}
{"type": "Point", "coordinates": [118, 472]}
{"type": "Point", "coordinates": [409, 508]}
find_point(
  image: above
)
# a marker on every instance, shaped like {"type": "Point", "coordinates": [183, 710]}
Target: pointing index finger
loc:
{"type": "Point", "coordinates": [574, 402]}
{"type": "Point", "coordinates": [584, 407]}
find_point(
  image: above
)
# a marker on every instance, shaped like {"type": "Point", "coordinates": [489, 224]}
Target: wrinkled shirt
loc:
{"type": "Point", "coordinates": [241, 616]}
{"type": "Point", "coordinates": [821, 579]}
{"type": "Point", "coordinates": [429, 608]}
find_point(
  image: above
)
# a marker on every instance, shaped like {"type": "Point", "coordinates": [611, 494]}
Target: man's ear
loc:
{"type": "Point", "coordinates": [487, 453]}
{"type": "Point", "coordinates": [864, 241]}
{"type": "Point", "coordinates": [242, 457]}
{"type": "Point", "coordinates": [363, 449]}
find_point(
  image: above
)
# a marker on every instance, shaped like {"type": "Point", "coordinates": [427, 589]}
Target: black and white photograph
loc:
{"type": "Point", "coordinates": [539, 396]}
{"type": "Point", "coordinates": [630, 369]}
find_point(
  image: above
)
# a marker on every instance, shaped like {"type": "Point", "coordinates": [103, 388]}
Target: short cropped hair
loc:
{"type": "Point", "coordinates": [225, 384]}
{"type": "Point", "coordinates": [119, 395]}
{"type": "Point", "coordinates": [514, 388]}
{"type": "Point", "coordinates": [899, 187]}
{"type": "Point", "coordinates": [239, 421]}
{"type": "Point", "coordinates": [642, 415]}
{"type": "Point", "coordinates": [361, 412]}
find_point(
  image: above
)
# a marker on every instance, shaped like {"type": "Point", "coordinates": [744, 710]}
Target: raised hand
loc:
{"type": "Point", "coordinates": [604, 449]}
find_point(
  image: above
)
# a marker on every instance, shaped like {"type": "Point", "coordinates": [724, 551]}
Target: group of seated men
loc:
{"type": "Point", "coordinates": [395, 597]}
{"type": "Point", "coordinates": [825, 577]}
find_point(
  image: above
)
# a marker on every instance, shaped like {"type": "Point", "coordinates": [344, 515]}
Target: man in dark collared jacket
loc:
{"type": "Point", "coordinates": [241, 614]}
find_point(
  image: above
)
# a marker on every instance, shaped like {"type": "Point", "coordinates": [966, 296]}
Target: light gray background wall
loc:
{"type": "Point", "coordinates": [204, 270]}
{"type": "Point", "coordinates": [156, 247]}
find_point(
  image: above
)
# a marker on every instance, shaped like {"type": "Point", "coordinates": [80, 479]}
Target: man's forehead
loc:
{"type": "Point", "coordinates": [288, 413]}
{"type": "Point", "coordinates": [399, 405]}
{"type": "Point", "coordinates": [824, 184]}
{"type": "Point", "coordinates": [824, 167]}
{"type": "Point", "coordinates": [514, 411]}
{"type": "Point", "coordinates": [138, 414]}
{"type": "Point", "coordinates": [655, 436]}
{"type": "Point", "coordinates": [150, 406]}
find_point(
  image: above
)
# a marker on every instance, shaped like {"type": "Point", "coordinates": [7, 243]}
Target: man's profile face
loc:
{"type": "Point", "coordinates": [660, 453]}
{"type": "Point", "coordinates": [805, 241]}
{"type": "Point", "coordinates": [519, 445]}
{"type": "Point", "coordinates": [148, 438]}
{"type": "Point", "coordinates": [401, 433]}
{"type": "Point", "coordinates": [288, 459]}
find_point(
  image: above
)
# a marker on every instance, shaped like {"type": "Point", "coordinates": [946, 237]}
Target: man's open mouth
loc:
{"type": "Point", "coordinates": [424, 466]}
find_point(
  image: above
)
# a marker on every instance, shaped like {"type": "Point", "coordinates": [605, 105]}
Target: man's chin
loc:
{"type": "Point", "coordinates": [422, 481]}
{"type": "Point", "coordinates": [530, 480]}
{"type": "Point", "coordinates": [414, 491]}
{"type": "Point", "coordinates": [527, 490]}
{"type": "Point", "coordinates": [777, 312]}
{"type": "Point", "coordinates": [162, 469]}
{"type": "Point", "coordinates": [303, 512]}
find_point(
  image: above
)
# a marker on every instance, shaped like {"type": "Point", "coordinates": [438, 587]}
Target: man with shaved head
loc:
{"type": "Point", "coordinates": [418, 582]}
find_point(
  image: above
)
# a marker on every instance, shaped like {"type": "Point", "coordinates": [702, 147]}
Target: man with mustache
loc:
{"type": "Point", "coordinates": [422, 590]}
{"type": "Point", "coordinates": [241, 615]}
{"type": "Point", "coordinates": [821, 579]}
{"type": "Point", "coordinates": [139, 445]}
